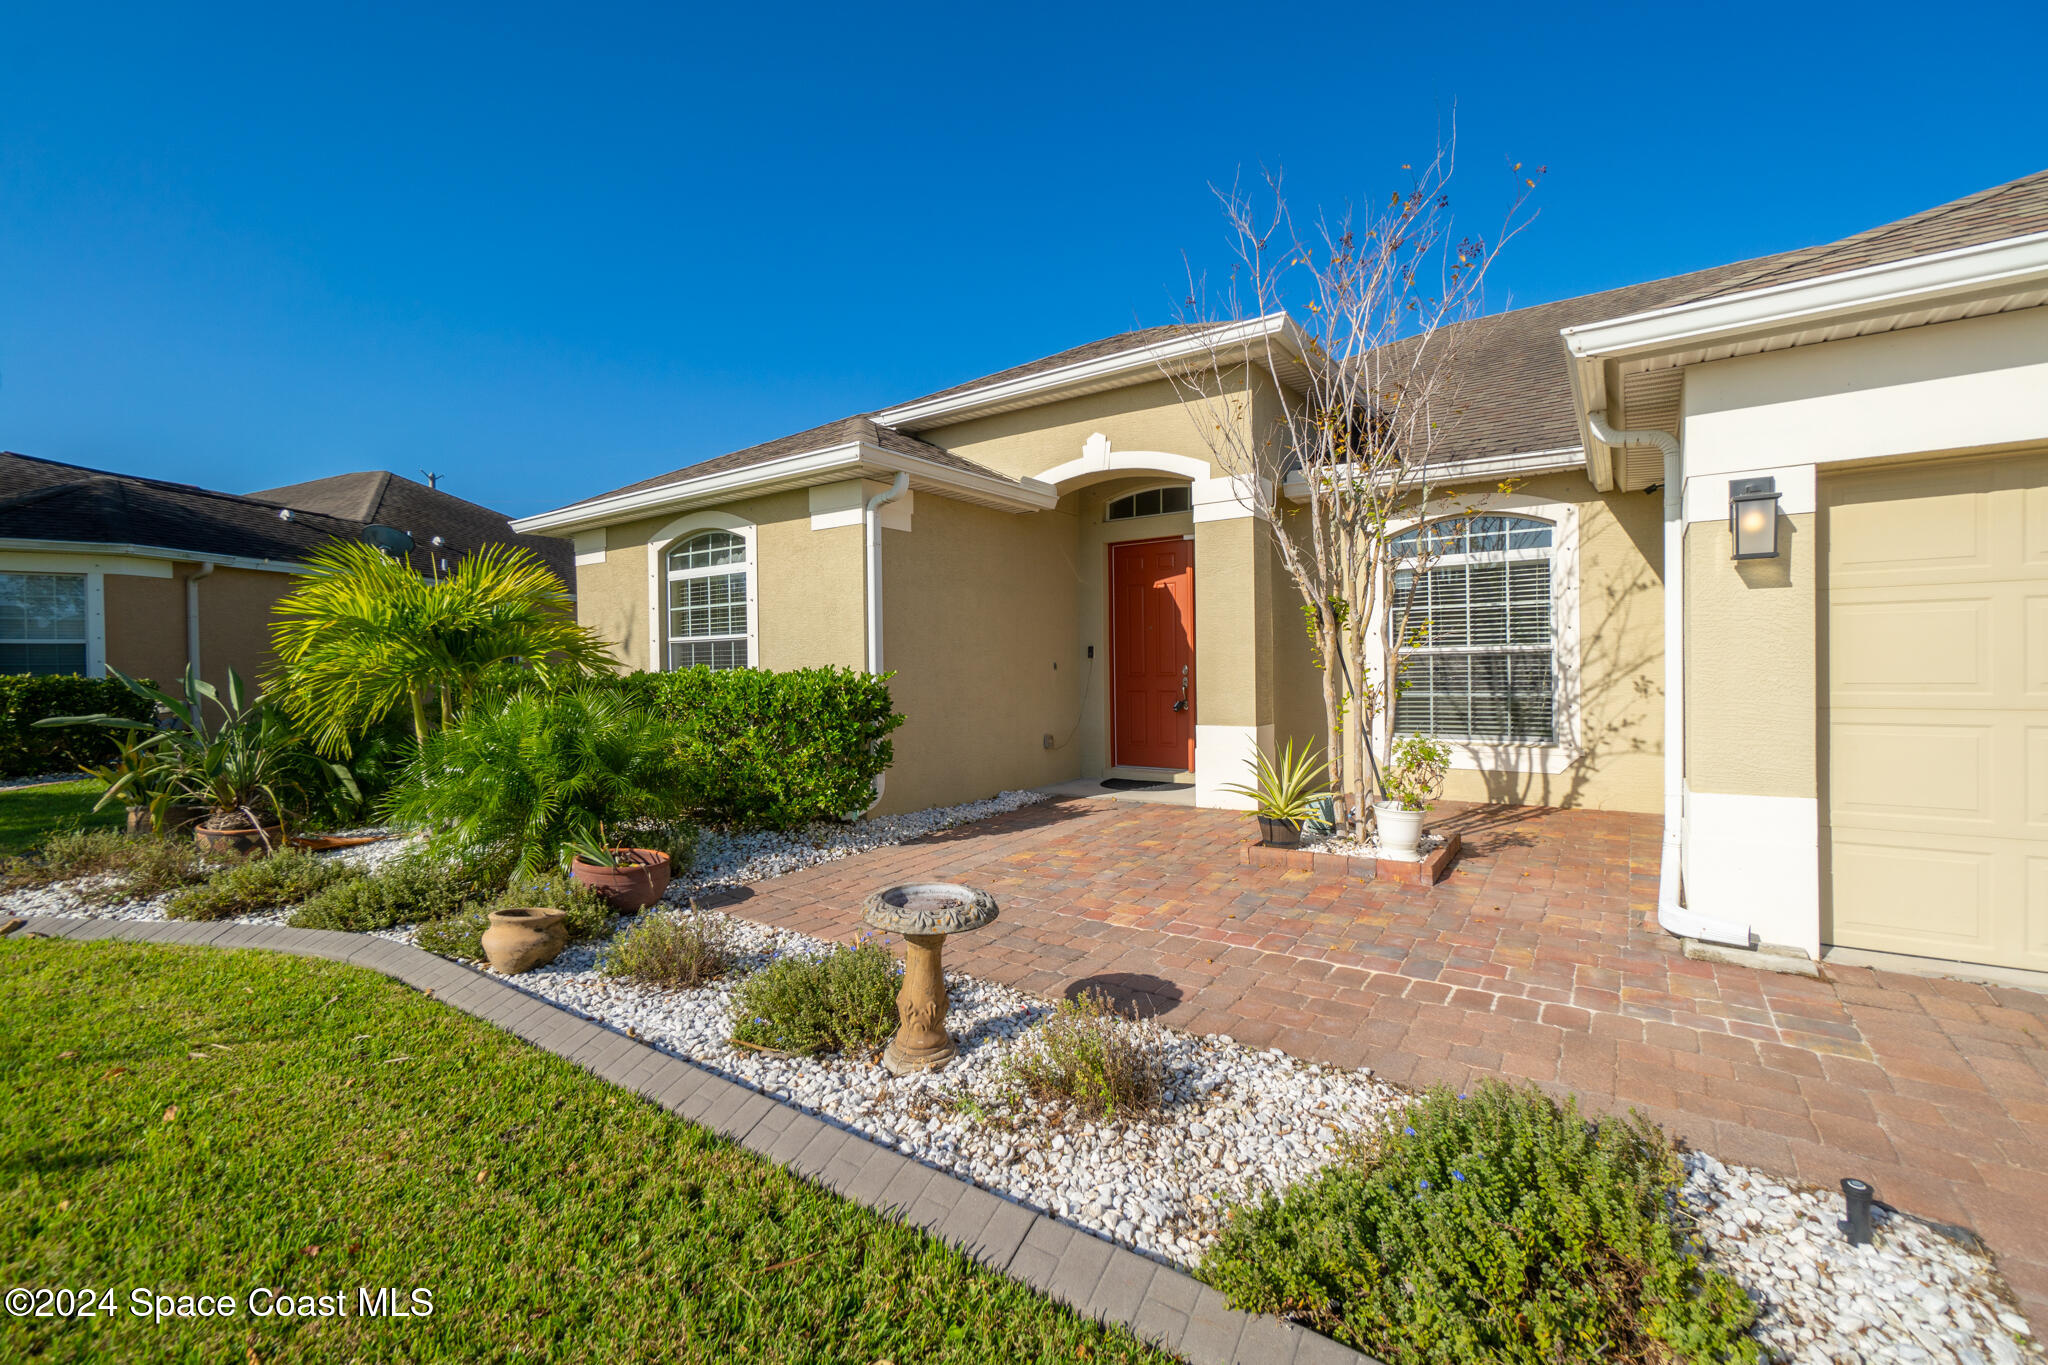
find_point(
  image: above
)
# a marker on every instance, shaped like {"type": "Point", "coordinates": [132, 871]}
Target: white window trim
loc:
{"type": "Point", "coordinates": [664, 540]}
{"type": "Point", "coordinates": [1500, 755]}
{"type": "Point", "coordinates": [95, 600]}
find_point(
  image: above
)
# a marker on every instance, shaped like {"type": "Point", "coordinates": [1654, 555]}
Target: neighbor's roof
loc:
{"type": "Point", "coordinates": [47, 500]}
{"type": "Point", "coordinates": [845, 431]}
{"type": "Point", "coordinates": [380, 497]}
{"type": "Point", "coordinates": [1512, 386]}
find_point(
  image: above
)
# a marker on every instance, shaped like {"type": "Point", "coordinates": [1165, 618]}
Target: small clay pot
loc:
{"type": "Point", "coordinates": [242, 841]}
{"type": "Point", "coordinates": [521, 939]}
{"type": "Point", "coordinates": [636, 883]}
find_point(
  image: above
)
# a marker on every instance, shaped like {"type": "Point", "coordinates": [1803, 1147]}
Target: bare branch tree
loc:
{"type": "Point", "coordinates": [1328, 389]}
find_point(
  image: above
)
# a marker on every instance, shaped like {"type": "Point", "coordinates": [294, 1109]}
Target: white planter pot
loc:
{"type": "Point", "coordinates": [1400, 831]}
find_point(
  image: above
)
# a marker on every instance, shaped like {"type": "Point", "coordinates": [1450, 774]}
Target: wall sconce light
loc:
{"type": "Point", "coordinates": [1753, 517]}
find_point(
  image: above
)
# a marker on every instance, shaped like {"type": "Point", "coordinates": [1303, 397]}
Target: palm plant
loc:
{"type": "Point", "coordinates": [519, 781]}
{"type": "Point", "coordinates": [1286, 790]}
{"type": "Point", "coordinates": [363, 635]}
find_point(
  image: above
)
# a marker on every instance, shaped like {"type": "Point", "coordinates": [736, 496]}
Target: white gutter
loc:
{"type": "Point", "coordinates": [192, 614]}
{"type": "Point", "coordinates": [1672, 916]}
{"type": "Point", "coordinates": [151, 552]}
{"type": "Point", "coordinates": [872, 527]}
{"type": "Point", "coordinates": [850, 460]}
{"type": "Point", "coordinates": [1448, 473]}
{"type": "Point", "coordinates": [872, 524]}
{"type": "Point", "coordinates": [2014, 264]}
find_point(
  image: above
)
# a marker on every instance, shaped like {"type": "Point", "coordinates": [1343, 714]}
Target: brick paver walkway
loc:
{"type": "Point", "coordinates": [1537, 959]}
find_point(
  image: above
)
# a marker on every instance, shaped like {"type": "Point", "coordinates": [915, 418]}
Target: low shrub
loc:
{"type": "Point", "coordinates": [25, 698]}
{"type": "Point", "coordinates": [1496, 1227]}
{"type": "Point", "coordinates": [765, 750]}
{"type": "Point", "coordinates": [409, 889]}
{"type": "Point", "coordinates": [1089, 1057]}
{"type": "Point", "coordinates": [840, 1001]}
{"type": "Point", "coordinates": [461, 934]}
{"type": "Point", "coordinates": [139, 868]}
{"type": "Point", "coordinates": [676, 951]}
{"type": "Point", "coordinates": [285, 877]}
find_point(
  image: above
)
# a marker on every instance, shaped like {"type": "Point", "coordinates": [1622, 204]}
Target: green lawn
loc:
{"type": "Point", "coordinates": [199, 1122]}
{"type": "Point", "coordinates": [29, 813]}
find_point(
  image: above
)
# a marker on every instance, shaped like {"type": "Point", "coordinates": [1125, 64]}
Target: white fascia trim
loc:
{"type": "Point", "coordinates": [1150, 357]}
{"type": "Point", "coordinates": [101, 548]}
{"type": "Point", "coordinates": [851, 460]}
{"type": "Point", "coordinates": [1907, 285]}
{"type": "Point", "coordinates": [1448, 474]}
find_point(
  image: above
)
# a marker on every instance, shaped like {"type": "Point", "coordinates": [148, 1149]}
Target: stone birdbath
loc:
{"type": "Point", "coordinates": [924, 913]}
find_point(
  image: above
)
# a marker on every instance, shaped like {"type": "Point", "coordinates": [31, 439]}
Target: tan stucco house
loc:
{"type": "Point", "coordinates": [1845, 731]}
{"type": "Point", "coordinates": [99, 568]}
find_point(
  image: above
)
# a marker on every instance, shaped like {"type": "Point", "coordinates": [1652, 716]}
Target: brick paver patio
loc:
{"type": "Point", "coordinates": [1537, 959]}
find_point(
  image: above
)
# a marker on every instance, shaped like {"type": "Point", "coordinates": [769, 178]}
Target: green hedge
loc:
{"type": "Point", "coordinates": [774, 750]}
{"type": "Point", "coordinates": [26, 698]}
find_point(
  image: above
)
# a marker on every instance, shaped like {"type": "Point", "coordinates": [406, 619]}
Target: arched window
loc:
{"type": "Point", "coordinates": [1151, 502]}
{"type": "Point", "coordinates": [1471, 602]}
{"type": "Point", "coordinates": [707, 601]}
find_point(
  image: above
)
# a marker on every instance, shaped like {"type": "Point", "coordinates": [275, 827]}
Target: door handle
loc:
{"type": "Point", "coordinates": [1182, 704]}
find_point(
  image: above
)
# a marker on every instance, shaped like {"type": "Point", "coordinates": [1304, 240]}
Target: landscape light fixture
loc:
{"type": "Point", "coordinates": [1753, 517]}
{"type": "Point", "coordinates": [1856, 1196]}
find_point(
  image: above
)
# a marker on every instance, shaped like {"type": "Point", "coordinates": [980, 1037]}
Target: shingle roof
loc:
{"type": "Point", "coordinates": [1075, 355]}
{"type": "Point", "coordinates": [48, 500]}
{"type": "Point", "coordinates": [2014, 209]}
{"type": "Point", "coordinates": [1510, 377]}
{"type": "Point", "coordinates": [845, 431]}
{"type": "Point", "coordinates": [381, 497]}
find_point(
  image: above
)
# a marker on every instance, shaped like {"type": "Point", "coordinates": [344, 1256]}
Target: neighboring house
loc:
{"type": "Point", "coordinates": [1848, 737]}
{"type": "Point", "coordinates": [99, 568]}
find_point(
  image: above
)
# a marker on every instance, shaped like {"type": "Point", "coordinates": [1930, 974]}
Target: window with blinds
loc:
{"type": "Point", "coordinates": [42, 623]}
{"type": "Point", "coordinates": [1479, 660]}
{"type": "Point", "coordinates": [707, 602]}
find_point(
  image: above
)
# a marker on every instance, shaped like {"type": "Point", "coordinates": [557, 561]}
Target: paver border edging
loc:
{"type": "Point", "coordinates": [1425, 873]}
{"type": "Point", "coordinates": [1099, 1279]}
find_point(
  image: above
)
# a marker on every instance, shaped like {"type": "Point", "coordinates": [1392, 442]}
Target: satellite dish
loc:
{"type": "Point", "coordinates": [389, 539]}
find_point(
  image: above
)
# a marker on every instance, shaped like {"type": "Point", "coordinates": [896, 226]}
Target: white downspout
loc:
{"type": "Point", "coordinates": [871, 525]}
{"type": "Point", "coordinates": [192, 613]}
{"type": "Point", "coordinates": [1672, 916]}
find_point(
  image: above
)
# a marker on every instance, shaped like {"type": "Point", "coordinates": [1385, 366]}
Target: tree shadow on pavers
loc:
{"type": "Point", "coordinates": [1486, 828]}
{"type": "Point", "coordinates": [1131, 994]}
{"type": "Point", "coordinates": [1043, 815]}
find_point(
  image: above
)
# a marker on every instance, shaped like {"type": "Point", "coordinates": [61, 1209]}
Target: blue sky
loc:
{"type": "Point", "coordinates": [548, 251]}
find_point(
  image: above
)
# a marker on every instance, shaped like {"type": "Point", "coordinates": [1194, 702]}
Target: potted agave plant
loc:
{"type": "Point", "coordinates": [1284, 793]}
{"type": "Point", "coordinates": [1409, 780]}
{"type": "Point", "coordinates": [624, 878]}
{"type": "Point", "coordinates": [236, 770]}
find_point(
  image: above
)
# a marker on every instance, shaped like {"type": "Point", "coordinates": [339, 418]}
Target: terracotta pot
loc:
{"type": "Point", "coordinates": [520, 940]}
{"type": "Point", "coordinates": [636, 883]}
{"type": "Point", "coordinates": [242, 841]}
{"type": "Point", "coordinates": [1279, 833]}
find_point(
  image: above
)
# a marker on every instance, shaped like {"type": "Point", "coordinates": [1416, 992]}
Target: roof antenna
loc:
{"type": "Point", "coordinates": [433, 480]}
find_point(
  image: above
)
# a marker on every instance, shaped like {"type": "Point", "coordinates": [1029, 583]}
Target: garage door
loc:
{"type": "Point", "coordinates": [1937, 697]}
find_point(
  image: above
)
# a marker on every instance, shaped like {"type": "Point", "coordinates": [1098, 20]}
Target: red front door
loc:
{"type": "Point", "coordinates": [1152, 654]}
